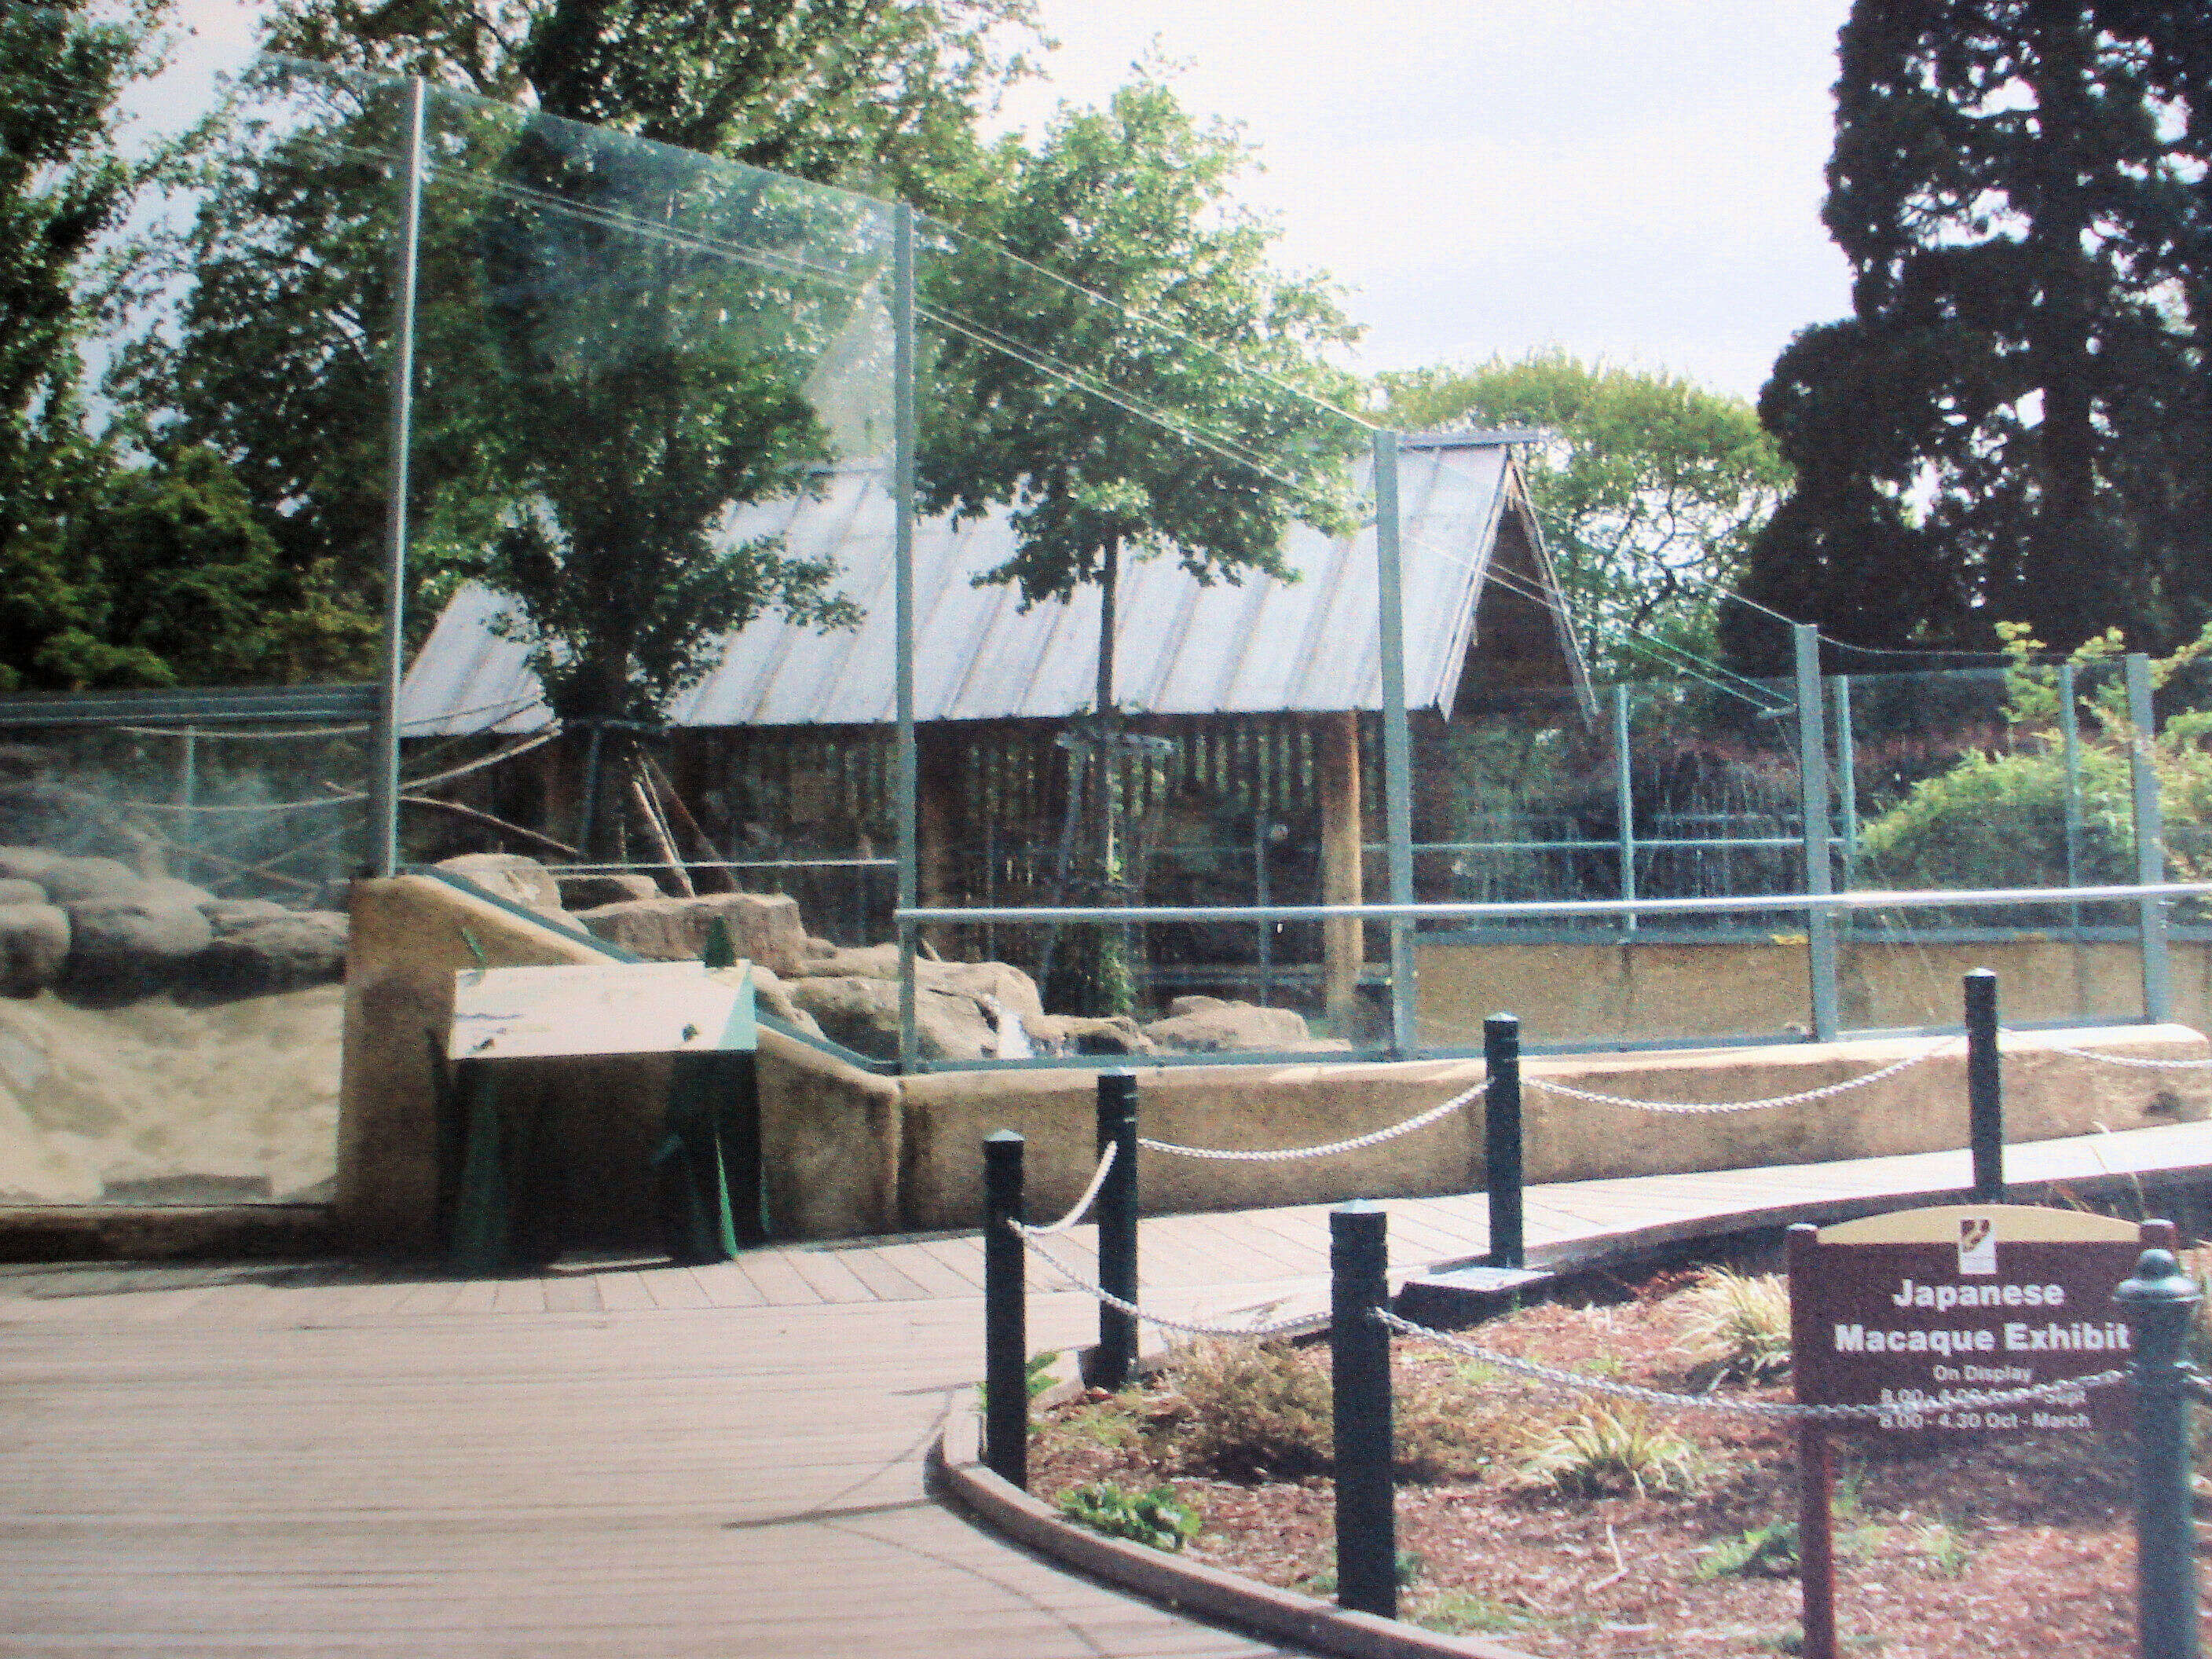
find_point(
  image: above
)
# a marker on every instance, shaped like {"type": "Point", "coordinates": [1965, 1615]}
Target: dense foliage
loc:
{"type": "Point", "coordinates": [1649, 487]}
{"type": "Point", "coordinates": [2013, 424]}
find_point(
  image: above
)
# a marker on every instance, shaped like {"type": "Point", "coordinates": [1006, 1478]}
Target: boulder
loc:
{"type": "Point", "coordinates": [588, 892]}
{"type": "Point", "coordinates": [763, 926]}
{"type": "Point", "coordinates": [70, 881]}
{"type": "Point", "coordinates": [283, 952]}
{"type": "Point", "coordinates": [979, 980]}
{"type": "Point", "coordinates": [772, 996]}
{"type": "Point", "coordinates": [227, 916]}
{"type": "Point", "coordinates": [121, 949]}
{"type": "Point", "coordinates": [509, 876]}
{"type": "Point", "coordinates": [34, 942]}
{"type": "Point", "coordinates": [27, 863]}
{"type": "Point", "coordinates": [1210, 1025]}
{"type": "Point", "coordinates": [1079, 1034]}
{"type": "Point", "coordinates": [863, 1014]}
{"type": "Point", "coordinates": [14, 890]}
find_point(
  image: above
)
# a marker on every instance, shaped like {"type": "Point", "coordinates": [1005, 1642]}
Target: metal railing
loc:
{"type": "Point", "coordinates": [1820, 910]}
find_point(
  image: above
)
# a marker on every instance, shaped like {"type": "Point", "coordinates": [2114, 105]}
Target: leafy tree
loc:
{"type": "Point", "coordinates": [1649, 487]}
{"type": "Point", "coordinates": [648, 381]}
{"type": "Point", "coordinates": [116, 568]}
{"type": "Point", "coordinates": [2013, 424]}
{"type": "Point", "coordinates": [1123, 367]}
{"type": "Point", "coordinates": [518, 464]}
{"type": "Point", "coordinates": [1116, 359]}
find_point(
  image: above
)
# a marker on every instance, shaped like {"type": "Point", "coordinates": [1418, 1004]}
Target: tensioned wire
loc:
{"type": "Point", "coordinates": [790, 264]}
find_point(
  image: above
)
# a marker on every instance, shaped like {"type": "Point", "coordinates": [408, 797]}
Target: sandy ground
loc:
{"type": "Point", "coordinates": [162, 1103]}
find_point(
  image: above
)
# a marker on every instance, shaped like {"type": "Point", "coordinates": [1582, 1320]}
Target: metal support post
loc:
{"type": "Point", "coordinates": [1816, 1551]}
{"type": "Point", "coordinates": [1624, 801]}
{"type": "Point", "coordinates": [2161, 1303]}
{"type": "Point", "coordinates": [1501, 1138]}
{"type": "Point", "coordinates": [1397, 748]}
{"type": "Point", "coordinates": [1813, 799]}
{"type": "Point", "coordinates": [2151, 842]}
{"type": "Point", "coordinates": [1985, 1087]}
{"type": "Point", "coordinates": [1847, 783]}
{"type": "Point", "coordinates": [1117, 1228]}
{"type": "Point", "coordinates": [2069, 733]}
{"type": "Point", "coordinates": [1359, 1381]}
{"type": "Point", "coordinates": [383, 850]}
{"type": "Point", "coordinates": [1006, 1316]}
{"type": "Point", "coordinates": [903, 471]}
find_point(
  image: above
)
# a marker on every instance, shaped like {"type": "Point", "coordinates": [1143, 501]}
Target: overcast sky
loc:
{"type": "Point", "coordinates": [1634, 180]}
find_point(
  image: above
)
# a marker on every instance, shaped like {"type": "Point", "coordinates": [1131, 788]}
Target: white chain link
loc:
{"type": "Point", "coordinates": [1577, 1382]}
{"type": "Point", "coordinates": [1097, 1179]}
{"type": "Point", "coordinates": [1374, 1138]}
{"type": "Point", "coordinates": [1699, 1110]}
{"type": "Point", "coordinates": [1099, 1293]}
{"type": "Point", "coordinates": [2141, 1061]}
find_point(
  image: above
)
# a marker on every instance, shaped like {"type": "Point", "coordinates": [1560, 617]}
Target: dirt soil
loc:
{"type": "Point", "coordinates": [2024, 1550]}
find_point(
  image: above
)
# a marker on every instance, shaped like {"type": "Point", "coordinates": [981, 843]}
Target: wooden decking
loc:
{"type": "Point", "coordinates": [325, 1459]}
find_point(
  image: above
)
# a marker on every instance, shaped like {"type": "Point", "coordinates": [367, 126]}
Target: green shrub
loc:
{"type": "Point", "coordinates": [1157, 1517]}
{"type": "Point", "coordinates": [1611, 1448]}
{"type": "Point", "coordinates": [1738, 1324]}
{"type": "Point", "coordinates": [1263, 1410]}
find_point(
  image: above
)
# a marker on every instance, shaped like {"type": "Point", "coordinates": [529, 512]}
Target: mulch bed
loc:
{"type": "Point", "coordinates": [2024, 1550]}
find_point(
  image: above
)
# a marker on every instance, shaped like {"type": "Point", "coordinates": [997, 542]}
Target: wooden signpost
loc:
{"type": "Point", "coordinates": [1908, 1312]}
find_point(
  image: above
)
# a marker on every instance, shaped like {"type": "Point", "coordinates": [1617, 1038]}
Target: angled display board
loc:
{"type": "Point", "coordinates": [612, 1008]}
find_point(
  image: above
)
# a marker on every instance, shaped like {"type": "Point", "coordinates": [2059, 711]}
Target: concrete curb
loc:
{"type": "Point", "coordinates": [1186, 1586]}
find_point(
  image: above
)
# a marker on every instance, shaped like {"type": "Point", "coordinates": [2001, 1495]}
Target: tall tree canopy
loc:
{"type": "Point", "coordinates": [1649, 487]}
{"type": "Point", "coordinates": [588, 472]}
{"type": "Point", "coordinates": [2015, 424]}
{"type": "Point", "coordinates": [117, 567]}
{"type": "Point", "coordinates": [1121, 364]}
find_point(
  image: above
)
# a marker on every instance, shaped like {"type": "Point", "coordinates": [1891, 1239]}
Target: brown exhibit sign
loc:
{"type": "Point", "coordinates": [1915, 1308]}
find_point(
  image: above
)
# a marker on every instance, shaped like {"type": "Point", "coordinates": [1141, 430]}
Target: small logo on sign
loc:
{"type": "Point", "coordinates": [1977, 1244]}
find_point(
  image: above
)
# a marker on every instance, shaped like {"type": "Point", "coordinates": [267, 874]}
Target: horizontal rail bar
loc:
{"type": "Point", "coordinates": [1858, 901]}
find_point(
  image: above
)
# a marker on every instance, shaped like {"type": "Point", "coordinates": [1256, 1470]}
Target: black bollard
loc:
{"type": "Point", "coordinates": [1501, 1138]}
{"type": "Point", "coordinates": [1006, 1316]}
{"type": "Point", "coordinates": [1985, 1087]}
{"type": "Point", "coordinates": [1117, 1228]}
{"type": "Point", "coordinates": [1359, 1381]}
{"type": "Point", "coordinates": [2160, 1301]}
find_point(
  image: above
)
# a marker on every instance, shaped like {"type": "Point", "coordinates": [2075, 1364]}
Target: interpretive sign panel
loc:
{"type": "Point", "coordinates": [615, 1008]}
{"type": "Point", "coordinates": [1912, 1310]}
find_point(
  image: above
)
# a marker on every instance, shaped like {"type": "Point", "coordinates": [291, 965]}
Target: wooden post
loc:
{"type": "Point", "coordinates": [1343, 947]}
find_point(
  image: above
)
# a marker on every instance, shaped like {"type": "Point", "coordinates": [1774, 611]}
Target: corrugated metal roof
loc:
{"type": "Point", "coordinates": [1264, 647]}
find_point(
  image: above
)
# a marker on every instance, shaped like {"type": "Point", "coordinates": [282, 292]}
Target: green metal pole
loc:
{"type": "Point", "coordinates": [1359, 1381]}
{"type": "Point", "coordinates": [902, 477]}
{"type": "Point", "coordinates": [2161, 1303]}
{"type": "Point", "coordinates": [1117, 1228]}
{"type": "Point", "coordinates": [1006, 1316]}
{"type": "Point", "coordinates": [384, 738]}
{"type": "Point", "coordinates": [1847, 782]}
{"type": "Point", "coordinates": [2151, 842]}
{"type": "Point", "coordinates": [1397, 748]}
{"type": "Point", "coordinates": [2069, 731]}
{"type": "Point", "coordinates": [1624, 800]}
{"type": "Point", "coordinates": [1813, 799]}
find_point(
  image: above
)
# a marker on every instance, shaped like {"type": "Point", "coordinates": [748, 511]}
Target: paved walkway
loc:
{"type": "Point", "coordinates": [328, 1459]}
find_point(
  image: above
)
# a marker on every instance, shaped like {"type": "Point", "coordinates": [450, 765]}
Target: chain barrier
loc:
{"type": "Point", "coordinates": [1099, 1293]}
{"type": "Point", "coordinates": [1373, 1138]}
{"type": "Point", "coordinates": [2069, 1390]}
{"type": "Point", "coordinates": [1694, 1109]}
{"type": "Point", "coordinates": [1089, 1193]}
